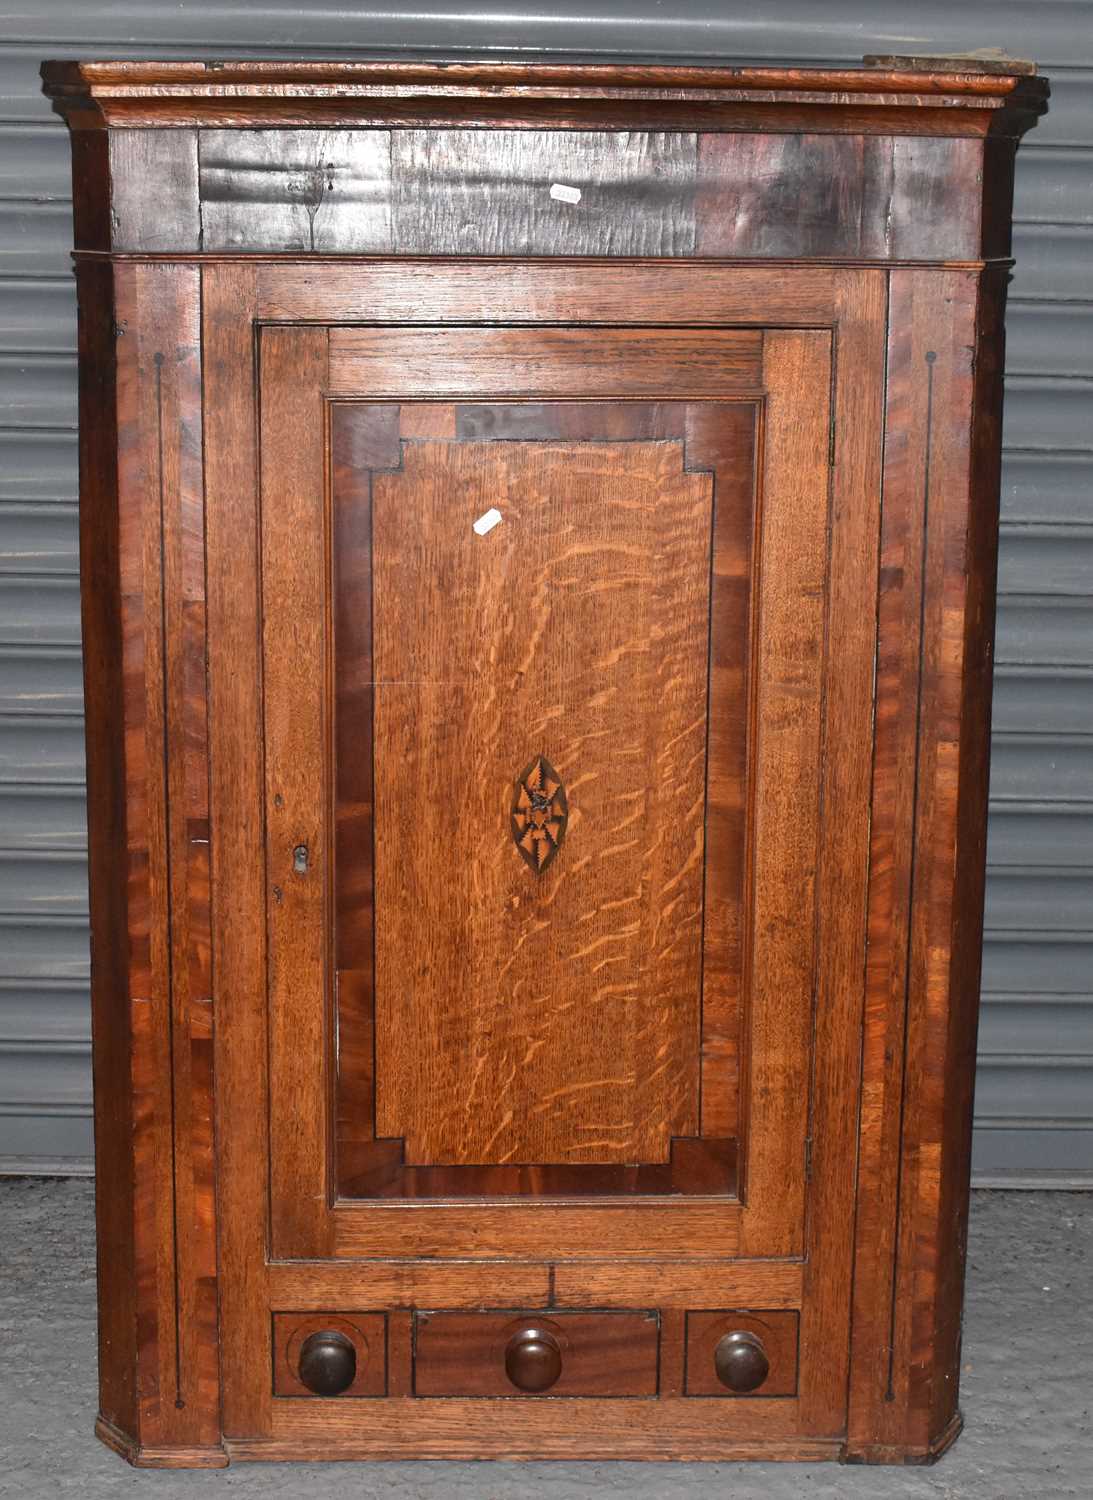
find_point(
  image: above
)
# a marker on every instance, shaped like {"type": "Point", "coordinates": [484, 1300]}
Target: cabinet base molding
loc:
{"type": "Point", "coordinates": [301, 1450]}
{"type": "Point", "coordinates": [912, 1457]}
{"type": "Point", "coordinates": [289, 1450]}
{"type": "Point", "coordinates": [158, 1458]}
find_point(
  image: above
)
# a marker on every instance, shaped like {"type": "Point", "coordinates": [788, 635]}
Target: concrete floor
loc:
{"type": "Point", "coordinates": [1027, 1385]}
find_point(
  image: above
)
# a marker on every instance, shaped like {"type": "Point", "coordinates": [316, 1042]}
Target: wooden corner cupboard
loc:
{"type": "Point", "coordinates": [538, 551]}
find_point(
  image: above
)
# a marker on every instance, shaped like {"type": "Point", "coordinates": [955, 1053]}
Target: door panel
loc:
{"type": "Point", "coordinates": [492, 1007]}
{"type": "Point", "coordinates": [539, 736]}
{"type": "Point", "coordinates": [591, 606]}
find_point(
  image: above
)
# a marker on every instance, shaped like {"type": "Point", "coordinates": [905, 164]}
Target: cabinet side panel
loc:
{"type": "Point", "coordinates": [169, 335]}
{"type": "Point", "coordinates": [928, 844]}
{"type": "Point", "coordinates": [142, 577]}
{"type": "Point", "coordinates": [899, 624]}
{"type": "Point", "coordinates": [100, 543]}
{"type": "Point", "coordinates": [161, 730]}
{"type": "Point", "coordinates": [955, 1053]}
{"type": "Point", "coordinates": [145, 989]}
{"type": "Point", "coordinates": [91, 223]}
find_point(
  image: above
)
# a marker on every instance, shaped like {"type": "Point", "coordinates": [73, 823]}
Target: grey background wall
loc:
{"type": "Point", "coordinates": [1034, 1102]}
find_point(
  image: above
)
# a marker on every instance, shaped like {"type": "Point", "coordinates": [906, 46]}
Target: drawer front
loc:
{"type": "Point", "coordinates": [510, 1353]}
{"type": "Point", "coordinates": [304, 1364]}
{"type": "Point", "coordinates": [742, 1353]}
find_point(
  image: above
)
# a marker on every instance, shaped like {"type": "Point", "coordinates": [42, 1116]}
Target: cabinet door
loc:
{"type": "Point", "coordinates": [566, 662]}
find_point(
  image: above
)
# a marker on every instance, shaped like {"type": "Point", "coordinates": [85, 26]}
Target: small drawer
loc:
{"type": "Point", "coordinates": [329, 1354]}
{"type": "Point", "coordinates": [742, 1353]}
{"type": "Point", "coordinates": [508, 1353]}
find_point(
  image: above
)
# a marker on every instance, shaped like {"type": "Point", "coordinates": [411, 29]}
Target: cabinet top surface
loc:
{"type": "Point", "coordinates": [254, 93]}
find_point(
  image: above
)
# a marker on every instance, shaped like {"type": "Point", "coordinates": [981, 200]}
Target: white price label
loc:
{"type": "Point", "coordinates": [486, 522]}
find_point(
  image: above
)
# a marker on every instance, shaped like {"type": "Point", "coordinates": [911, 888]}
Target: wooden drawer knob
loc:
{"type": "Point", "coordinates": [533, 1359]}
{"type": "Point", "coordinates": [741, 1361]}
{"type": "Point", "coordinates": [328, 1362]}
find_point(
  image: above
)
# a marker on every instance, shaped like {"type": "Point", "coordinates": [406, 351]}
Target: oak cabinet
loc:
{"type": "Point", "coordinates": [538, 531]}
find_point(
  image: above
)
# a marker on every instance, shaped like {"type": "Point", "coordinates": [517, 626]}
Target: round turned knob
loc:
{"type": "Point", "coordinates": [741, 1361]}
{"type": "Point", "coordinates": [328, 1362]}
{"type": "Point", "coordinates": [533, 1359]}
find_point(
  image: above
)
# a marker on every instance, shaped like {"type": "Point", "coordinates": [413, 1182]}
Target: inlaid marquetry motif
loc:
{"type": "Point", "coordinates": [539, 814]}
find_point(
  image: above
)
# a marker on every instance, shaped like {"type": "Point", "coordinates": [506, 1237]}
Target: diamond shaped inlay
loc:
{"type": "Point", "coordinates": [539, 814]}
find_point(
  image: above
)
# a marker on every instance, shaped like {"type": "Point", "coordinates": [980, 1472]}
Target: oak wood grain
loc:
{"type": "Point", "coordinates": [294, 553]}
{"type": "Point", "coordinates": [175, 296]}
{"type": "Point", "coordinates": [899, 657]}
{"type": "Point", "coordinates": [356, 1224]}
{"type": "Point", "coordinates": [497, 291]}
{"type": "Point", "coordinates": [105, 530]}
{"type": "Point", "coordinates": [249, 95]}
{"type": "Point", "coordinates": [941, 487]}
{"type": "Point", "coordinates": [529, 1427]}
{"type": "Point", "coordinates": [579, 988]}
{"type": "Point", "coordinates": [568, 362]}
{"type": "Point", "coordinates": [785, 810]}
{"type": "Point", "coordinates": [671, 1282]}
{"type": "Point", "coordinates": [314, 1285]}
{"type": "Point", "coordinates": [640, 1229]}
{"type": "Point", "coordinates": [679, 1283]}
{"type": "Point", "coordinates": [350, 1236]}
{"type": "Point", "coordinates": [148, 991]}
{"type": "Point", "coordinates": [843, 871]}
{"type": "Point", "coordinates": [238, 867]}
{"type": "Point", "coordinates": [142, 517]}
{"type": "Point", "coordinates": [365, 436]}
